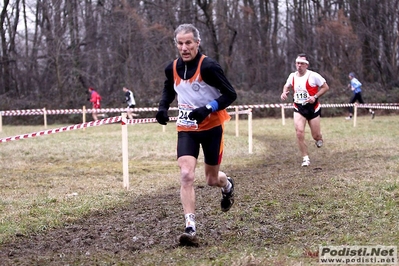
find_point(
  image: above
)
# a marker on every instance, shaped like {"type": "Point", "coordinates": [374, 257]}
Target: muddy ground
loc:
{"type": "Point", "coordinates": [122, 235]}
{"type": "Point", "coordinates": [277, 206]}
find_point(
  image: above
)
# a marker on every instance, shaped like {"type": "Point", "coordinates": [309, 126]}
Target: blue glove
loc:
{"type": "Point", "coordinates": [199, 114]}
{"type": "Point", "coordinates": [162, 117]}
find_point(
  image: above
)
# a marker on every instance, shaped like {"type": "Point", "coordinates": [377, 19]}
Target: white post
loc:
{"type": "Point", "coordinates": [125, 153]}
{"type": "Point", "coordinates": [283, 114]}
{"type": "Point", "coordinates": [250, 131]}
{"type": "Point", "coordinates": [45, 117]}
{"type": "Point", "coordinates": [84, 115]}
{"type": "Point", "coordinates": [237, 118]}
{"type": "Point", "coordinates": [354, 115]}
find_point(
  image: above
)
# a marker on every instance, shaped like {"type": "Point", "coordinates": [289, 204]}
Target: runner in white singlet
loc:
{"type": "Point", "coordinates": [308, 86]}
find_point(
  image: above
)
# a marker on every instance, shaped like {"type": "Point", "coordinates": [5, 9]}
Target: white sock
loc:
{"type": "Point", "coordinates": [306, 158]}
{"type": "Point", "coordinates": [190, 220]}
{"type": "Point", "coordinates": [227, 188]}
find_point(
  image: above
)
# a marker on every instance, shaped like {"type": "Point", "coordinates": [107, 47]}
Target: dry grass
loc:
{"type": "Point", "coordinates": [349, 195]}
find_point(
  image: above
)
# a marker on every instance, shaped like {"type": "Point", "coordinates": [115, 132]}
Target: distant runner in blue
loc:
{"type": "Point", "coordinates": [356, 87]}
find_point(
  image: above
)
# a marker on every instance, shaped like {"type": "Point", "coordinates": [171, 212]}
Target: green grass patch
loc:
{"type": "Point", "coordinates": [283, 212]}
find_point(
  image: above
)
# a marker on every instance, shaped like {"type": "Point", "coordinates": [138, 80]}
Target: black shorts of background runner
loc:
{"type": "Point", "coordinates": [188, 143]}
{"type": "Point", "coordinates": [355, 97]}
{"type": "Point", "coordinates": [308, 110]}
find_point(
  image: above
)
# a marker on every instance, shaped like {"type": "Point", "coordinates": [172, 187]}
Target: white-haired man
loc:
{"type": "Point", "coordinates": [203, 92]}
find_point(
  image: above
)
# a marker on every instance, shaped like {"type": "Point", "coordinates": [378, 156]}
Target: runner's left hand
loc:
{"type": "Point", "coordinates": [199, 114]}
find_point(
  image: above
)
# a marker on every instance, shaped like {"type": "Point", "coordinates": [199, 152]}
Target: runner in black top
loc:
{"type": "Point", "coordinates": [211, 73]}
{"type": "Point", "coordinates": [203, 92]}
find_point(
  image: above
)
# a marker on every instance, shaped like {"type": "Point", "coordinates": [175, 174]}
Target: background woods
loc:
{"type": "Point", "coordinates": [53, 50]}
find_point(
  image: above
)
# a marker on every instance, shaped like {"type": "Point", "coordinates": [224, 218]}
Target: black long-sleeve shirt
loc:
{"type": "Point", "coordinates": [211, 73]}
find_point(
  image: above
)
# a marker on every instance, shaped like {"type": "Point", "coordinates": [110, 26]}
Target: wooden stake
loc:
{"type": "Point", "coordinates": [125, 152]}
{"type": "Point", "coordinates": [250, 131]}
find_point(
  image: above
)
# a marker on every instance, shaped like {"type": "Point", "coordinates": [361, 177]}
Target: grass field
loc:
{"type": "Point", "coordinates": [62, 200]}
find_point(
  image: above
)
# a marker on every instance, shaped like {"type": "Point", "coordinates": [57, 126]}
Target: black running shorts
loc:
{"type": "Point", "coordinates": [309, 111]}
{"type": "Point", "coordinates": [188, 143]}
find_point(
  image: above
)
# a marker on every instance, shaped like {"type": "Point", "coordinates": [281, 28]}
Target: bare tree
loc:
{"type": "Point", "coordinates": [66, 46]}
{"type": "Point", "coordinates": [8, 30]}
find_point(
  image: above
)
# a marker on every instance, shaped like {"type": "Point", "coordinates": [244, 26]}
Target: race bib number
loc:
{"type": "Point", "coordinates": [183, 120]}
{"type": "Point", "coordinates": [300, 96]}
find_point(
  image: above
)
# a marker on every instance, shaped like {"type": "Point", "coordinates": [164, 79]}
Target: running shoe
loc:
{"type": "Point", "coordinates": [305, 162]}
{"type": "Point", "coordinates": [348, 118]}
{"type": "Point", "coordinates": [228, 198]}
{"type": "Point", "coordinates": [319, 143]}
{"type": "Point", "coordinates": [189, 238]}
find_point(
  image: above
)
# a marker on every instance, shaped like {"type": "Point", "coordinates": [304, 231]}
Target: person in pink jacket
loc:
{"type": "Point", "coordinates": [95, 99]}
